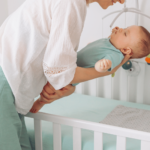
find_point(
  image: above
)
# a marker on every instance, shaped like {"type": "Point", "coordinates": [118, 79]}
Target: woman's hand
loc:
{"type": "Point", "coordinates": [49, 94]}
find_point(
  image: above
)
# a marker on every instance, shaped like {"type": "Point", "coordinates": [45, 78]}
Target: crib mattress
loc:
{"type": "Point", "coordinates": [83, 107]}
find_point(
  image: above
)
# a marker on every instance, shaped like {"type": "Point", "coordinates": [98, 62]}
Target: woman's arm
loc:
{"type": "Point", "coordinates": [82, 74]}
{"type": "Point", "coordinates": [85, 74]}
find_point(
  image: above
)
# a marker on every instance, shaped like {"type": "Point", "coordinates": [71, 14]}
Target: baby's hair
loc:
{"type": "Point", "coordinates": [143, 46]}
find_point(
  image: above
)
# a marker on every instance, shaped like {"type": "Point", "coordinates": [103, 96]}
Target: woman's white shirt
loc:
{"type": "Point", "coordinates": [38, 43]}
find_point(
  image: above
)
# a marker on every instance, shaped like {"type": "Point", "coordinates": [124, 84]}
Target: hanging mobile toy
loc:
{"type": "Point", "coordinates": [112, 75]}
{"type": "Point", "coordinates": [127, 65]}
{"type": "Point", "coordinates": [147, 59]}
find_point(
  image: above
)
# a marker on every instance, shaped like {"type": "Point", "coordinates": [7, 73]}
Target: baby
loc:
{"type": "Point", "coordinates": [106, 54]}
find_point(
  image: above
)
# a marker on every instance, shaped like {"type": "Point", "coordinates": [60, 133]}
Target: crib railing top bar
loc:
{"type": "Point", "coordinates": [144, 136]}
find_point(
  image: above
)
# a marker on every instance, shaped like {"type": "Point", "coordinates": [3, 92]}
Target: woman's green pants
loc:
{"type": "Point", "coordinates": [13, 133]}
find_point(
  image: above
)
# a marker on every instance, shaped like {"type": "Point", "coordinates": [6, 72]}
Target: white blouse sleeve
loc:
{"type": "Point", "coordinates": [60, 58]}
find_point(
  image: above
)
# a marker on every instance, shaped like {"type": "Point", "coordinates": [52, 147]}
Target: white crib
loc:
{"type": "Point", "coordinates": [122, 87]}
{"type": "Point", "coordinates": [92, 88]}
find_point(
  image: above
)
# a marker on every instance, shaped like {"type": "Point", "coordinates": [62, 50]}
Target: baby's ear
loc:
{"type": "Point", "coordinates": [127, 51]}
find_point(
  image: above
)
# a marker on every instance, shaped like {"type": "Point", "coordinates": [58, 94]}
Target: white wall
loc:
{"type": "Point", "coordinates": [122, 87]}
{"type": "Point", "coordinates": [3, 10]}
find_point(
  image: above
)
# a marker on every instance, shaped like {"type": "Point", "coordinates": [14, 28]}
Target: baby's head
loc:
{"type": "Point", "coordinates": [134, 40]}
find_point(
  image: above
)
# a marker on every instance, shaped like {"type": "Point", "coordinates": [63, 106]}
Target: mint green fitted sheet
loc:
{"type": "Point", "coordinates": [83, 107]}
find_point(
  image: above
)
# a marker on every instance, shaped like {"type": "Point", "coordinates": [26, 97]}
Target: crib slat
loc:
{"type": "Point", "coordinates": [100, 87]}
{"type": "Point", "coordinates": [123, 85]}
{"type": "Point", "coordinates": [121, 143]}
{"type": "Point", "coordinates": [57, 136]}
{"type": "Point", "coordinates": [140, 84]}
{"type": "Point", "coordinates": [98, 141]}
{"type": "Point", "coordinates": [79, 89]}
{"type": "Point", "coordinates": [76, 138]}
{"type": "Point", "coordinates": [108, 86]}
{"type": "Point", "coordinates": [145, 145]}
{"type": "Point", "coordinates": [92, 87]}
{"type": "Point", "coordinates": [89, 87]}
{"type": "Point", "coordinates": [38, 134]}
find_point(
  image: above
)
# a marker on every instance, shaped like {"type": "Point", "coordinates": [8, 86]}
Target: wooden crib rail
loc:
{"type": "Point", "coordinates": [99, 129]}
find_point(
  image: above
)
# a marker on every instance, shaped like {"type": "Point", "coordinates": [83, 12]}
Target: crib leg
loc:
{"type": "Point", "coordinates": [38, 134]}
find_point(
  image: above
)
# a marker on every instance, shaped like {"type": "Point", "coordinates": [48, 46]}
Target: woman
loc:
{"type": "Point", "coordinates": [39, 35]}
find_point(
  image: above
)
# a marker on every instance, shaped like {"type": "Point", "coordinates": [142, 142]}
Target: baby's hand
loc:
{"type": "Point", "coordinates": [103, 65]}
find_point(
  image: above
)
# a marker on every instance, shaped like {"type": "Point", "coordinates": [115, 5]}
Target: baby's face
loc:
{"type": "Point", "coordinates": [123, 38]}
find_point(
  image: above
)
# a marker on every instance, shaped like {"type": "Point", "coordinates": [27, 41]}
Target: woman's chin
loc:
{"type": "Point", "coordinates": [105, 7]}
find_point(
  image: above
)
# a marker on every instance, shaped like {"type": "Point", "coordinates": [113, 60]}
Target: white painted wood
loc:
{"type": "Point", "coordinates": [100, 87]}
{"type": "Point", "coordinates": [121, 143]}
{"type": "Point", "coordinates": [93, 87]}
{"type": "Point", "coordinates": [146, 85]}
{"type": "Point", "coordinates": [96, 80]}
{"type": "Point", "coordinates": [79, 88]}
{"type": "Point", "coordinates": [98, 127]}
{"type": "Point", "coordinates": [38, 134]}
{"type": "Point", "coordinates": [56, 136]}
{"type": "Point", "coordinates": [108, 87]}
{"type": "Point", "coordinates": [140, 84]}
{"type": "Point", "coordinates": [113, 83]}
{"type": "Point", "coordinates": [84, 89]}
{"type": "Point", "coordinates": [145, 145]}
{"type": "Point", "coordinates": [123, 85]}
{"type": "Point", "coordinates": [76, 138]}
{"type": "Point", "coordinates": [132, 88]}
{"type": "Point", "coordinates": [116, 85]}
{"type": "Point", "coordinates": [90, 87]}
{"type": "Point", "coordinates": [98, 141]}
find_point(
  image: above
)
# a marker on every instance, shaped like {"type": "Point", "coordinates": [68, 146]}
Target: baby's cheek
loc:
{"type": "Point", "coordinates": [117, 42]}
